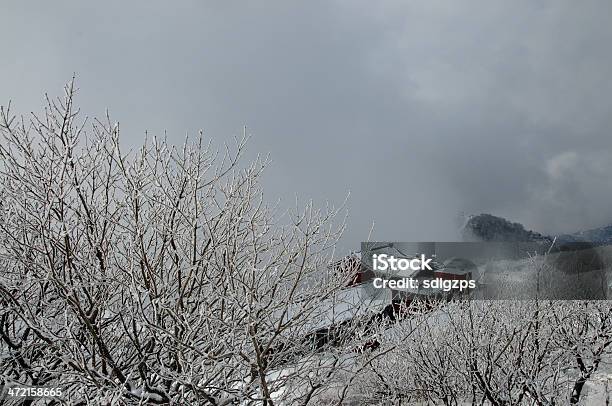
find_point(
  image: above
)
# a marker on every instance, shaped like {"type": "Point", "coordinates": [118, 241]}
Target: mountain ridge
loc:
{"type": "Point", "coordinates": [487, 227]}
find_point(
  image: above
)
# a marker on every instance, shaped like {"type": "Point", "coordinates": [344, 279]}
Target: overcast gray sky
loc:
{"type": "Point", "coordinates": [421, 109]}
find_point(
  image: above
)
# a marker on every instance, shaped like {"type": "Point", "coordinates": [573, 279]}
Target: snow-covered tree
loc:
{"type": "Point", "coordinates": [157, 275]}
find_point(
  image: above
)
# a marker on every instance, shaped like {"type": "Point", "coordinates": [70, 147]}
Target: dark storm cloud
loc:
{"type": "Point", "coordinates": [421, 109]}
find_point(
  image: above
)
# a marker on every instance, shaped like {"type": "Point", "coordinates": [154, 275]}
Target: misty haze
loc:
{"type": "Point", "coordinates": [187, 188]}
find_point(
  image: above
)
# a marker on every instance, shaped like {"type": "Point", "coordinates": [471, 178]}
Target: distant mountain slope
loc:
{"type": "Point", "coordinates": [486, 227]}
{"type": "Point", "coordinates": [597, 236]}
